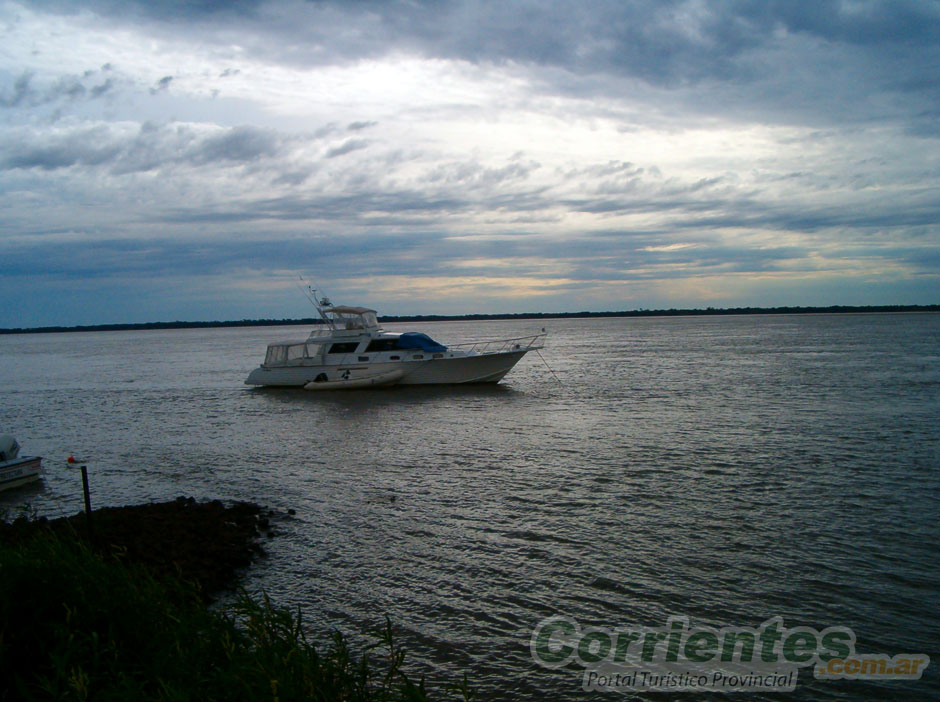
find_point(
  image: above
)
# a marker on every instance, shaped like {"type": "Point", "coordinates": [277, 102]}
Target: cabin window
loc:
{"type": "Point", "coordinates": [275, 355]}
{"type": "Point", "coordinates": [394, 358]}
{"type": "Point", "coordinates": [345, 347]}
{"type": "Point", "coordinates": [377, 345]}
{"type": "Point", "coordinates": [363, 358]}
{"type": "Point", "coordinates": [417, 355]}
{"type": "Point", "coordinates": [438, 355]}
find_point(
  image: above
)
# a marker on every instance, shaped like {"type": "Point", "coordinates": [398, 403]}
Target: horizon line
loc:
{"type": "Point", "coordinates": [671, 312]}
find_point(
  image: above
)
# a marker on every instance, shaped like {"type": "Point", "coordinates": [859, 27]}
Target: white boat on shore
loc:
{"type": "Point", "coordinates": [14, 469]}
{"type": "Point", "coordinates": [351, 351]}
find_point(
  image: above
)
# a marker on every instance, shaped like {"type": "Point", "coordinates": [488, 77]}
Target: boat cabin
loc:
{"type": "Point", "coordinates": [334, 349]}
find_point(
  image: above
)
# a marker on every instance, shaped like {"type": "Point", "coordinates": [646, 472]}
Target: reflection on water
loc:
{"type": "Point", "coordinates": [414, 395]}
{"type": "Point", "coordinates": [729, 469]}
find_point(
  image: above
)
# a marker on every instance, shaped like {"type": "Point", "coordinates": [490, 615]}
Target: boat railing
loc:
{"type": "Point", "coordinates": [520, 343]}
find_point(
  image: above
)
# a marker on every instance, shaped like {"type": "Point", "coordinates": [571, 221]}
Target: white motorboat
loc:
{"type": "Point", "coordinates": [14, 469]}
{"type": "Point", "coordinates": [350, 350]}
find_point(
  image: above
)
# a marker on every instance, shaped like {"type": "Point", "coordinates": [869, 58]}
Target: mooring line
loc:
{"type": "Point", "coordinates": [549, 367]}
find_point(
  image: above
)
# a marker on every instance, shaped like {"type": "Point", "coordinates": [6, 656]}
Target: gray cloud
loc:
{"type": "Point", "coordinates": [428, 253]}
{"type": "Point", "coordinates": [827, 62]}
{"type": "Point", "coordinates": [346, 147]}
{"type": "Point", "coordinates": [159, 9]}
{"type": "Point", "coordinates": [475, 175]}
{"type": "Point", "coordinates": [20, 92]}
{"type": "Point", "coordinates": [87, 147]}
{"type": "Point", "coordinates": [151, 147]}
{"type": "Point", "coordinates": [161, 85]}
{"type": "Point", "coordinates": [67, 88]}
{"type": "Point", "coordinates": [668, 41]}
{"type": "Point", "coordinates": [621, 257]}
{"type": "Point", "coordinates": [97, 91]}
{"type": "Point", "coordinates": [241, 144]}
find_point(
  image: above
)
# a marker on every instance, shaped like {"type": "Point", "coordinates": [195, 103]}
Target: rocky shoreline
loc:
{"type": "Point", "coordinates": [205, 543]}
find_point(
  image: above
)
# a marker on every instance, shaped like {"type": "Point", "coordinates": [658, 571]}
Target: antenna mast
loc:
{"type": "Point", "coordinates": [310, 293]}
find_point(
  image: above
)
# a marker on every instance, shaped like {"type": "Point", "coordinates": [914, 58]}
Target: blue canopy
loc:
{"type": "Point", "coordinates": [417, 340]}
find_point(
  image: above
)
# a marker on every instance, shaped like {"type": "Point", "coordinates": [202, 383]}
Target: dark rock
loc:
{"type": "Point", "coordinates": [202, 542]}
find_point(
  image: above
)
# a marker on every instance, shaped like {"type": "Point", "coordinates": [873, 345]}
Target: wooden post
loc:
{"type": "Point", "coordinates": [91, 533]}
{"type": "Point", "coordinates": [87, 495]}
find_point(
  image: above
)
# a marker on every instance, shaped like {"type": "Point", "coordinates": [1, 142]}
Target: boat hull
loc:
{"type": "Point", "coordinates": [20, 471]}
{"type": "Point", "coordinates": [372, 381]}
{"type": "Point", "coordinates": [482, 368]}
{"type": "Point", "coordinates": [485, 368]}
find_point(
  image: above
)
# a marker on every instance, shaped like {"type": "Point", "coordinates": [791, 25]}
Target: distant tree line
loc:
{"type": "Point", "coordinates": [672, 312]}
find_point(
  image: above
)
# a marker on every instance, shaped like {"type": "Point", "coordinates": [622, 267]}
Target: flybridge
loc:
{"type": "Point", "coordinates": [345, 317]}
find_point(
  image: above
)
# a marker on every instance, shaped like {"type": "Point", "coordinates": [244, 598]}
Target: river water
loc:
{"type": "Point", "coordinates": [725, 469]}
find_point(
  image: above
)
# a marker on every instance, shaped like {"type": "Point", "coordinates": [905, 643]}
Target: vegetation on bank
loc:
{"type": "Point", "coordinates": [831, 309]}
{"type": "Point", "coordinates": [204, 543]}
{"type": "Point", "coordinates": [91, 623]}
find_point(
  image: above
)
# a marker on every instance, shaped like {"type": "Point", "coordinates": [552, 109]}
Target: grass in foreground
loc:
{"type": "Point", "coordinates": [75, 627]}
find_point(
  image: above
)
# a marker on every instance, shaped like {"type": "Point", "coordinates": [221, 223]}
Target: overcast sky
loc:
{"type": "Point", "coordinates": [163, 160]}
